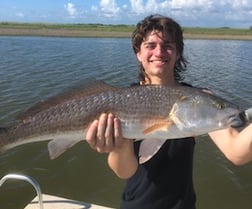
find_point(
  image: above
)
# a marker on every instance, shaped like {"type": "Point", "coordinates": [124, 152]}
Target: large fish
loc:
{"type": "Point", "coordinates": [153, 113]}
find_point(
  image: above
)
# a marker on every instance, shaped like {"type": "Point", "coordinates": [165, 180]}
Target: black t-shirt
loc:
{"type": "Point", "coordinates": [165, 181]}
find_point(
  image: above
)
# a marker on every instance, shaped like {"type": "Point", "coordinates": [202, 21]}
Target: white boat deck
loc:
{"type": "Point", "coordinates": [45, 201]}
{"type": "Point", "coordinates": [54, 202]}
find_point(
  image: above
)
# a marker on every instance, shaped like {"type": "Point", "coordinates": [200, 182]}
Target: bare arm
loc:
{"type": "Point", "coordinates": [236, 146]}
{"type": "Point", "coordinates": [104, 135]}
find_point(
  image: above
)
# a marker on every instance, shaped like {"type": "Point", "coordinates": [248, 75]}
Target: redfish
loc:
{"type": "Point", "coordinates": [152, 113]}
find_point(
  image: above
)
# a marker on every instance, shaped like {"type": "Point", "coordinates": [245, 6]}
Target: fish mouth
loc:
{"type": "Point", "coordinates": [242, 119]}
{"type": "Point", "coordinates": [237, 120]}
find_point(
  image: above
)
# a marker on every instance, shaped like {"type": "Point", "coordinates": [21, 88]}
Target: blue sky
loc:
{"type": "Point", "coordinates": [203, 13]}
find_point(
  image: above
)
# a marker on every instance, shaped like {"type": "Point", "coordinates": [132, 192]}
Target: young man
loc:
{"type": "Point", "coordinates": [165, 181]}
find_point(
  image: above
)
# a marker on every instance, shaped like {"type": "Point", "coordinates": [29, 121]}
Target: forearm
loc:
{"type": "Point", "coordinates": [123, 160]}
{"type": "Point", "coordinates": [243, 146]}
{"type": "Point", "coordinates": [236, 146]}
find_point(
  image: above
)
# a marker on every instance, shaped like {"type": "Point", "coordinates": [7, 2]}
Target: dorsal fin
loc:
{"type": "Point", "coordinates": [76, 91]}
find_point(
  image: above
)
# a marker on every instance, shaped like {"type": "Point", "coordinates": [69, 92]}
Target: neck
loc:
{"type": "Point", "coordinates": [160, 81]}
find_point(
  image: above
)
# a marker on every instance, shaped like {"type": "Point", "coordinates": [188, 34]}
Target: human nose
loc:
{"type": "Point", "coordinates": [159, 50]}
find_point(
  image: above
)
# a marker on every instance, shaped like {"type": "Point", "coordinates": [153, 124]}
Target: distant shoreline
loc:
{"type": "Point", "coordinates": [101, 33]}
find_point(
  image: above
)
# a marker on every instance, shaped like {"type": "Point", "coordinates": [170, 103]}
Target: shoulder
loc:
{"type": "Point", "coordinates": [135, 84]}
{"type": "Point", "coordinates": [205, 89]}
{"type": "Point", "coordinates": [185, 84]}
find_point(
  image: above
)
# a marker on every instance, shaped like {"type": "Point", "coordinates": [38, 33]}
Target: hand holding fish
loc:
{"type": "Point", "coordinates": [248, 115]}
{"type": "Point", "coordinates": [236, 145]}
{"type": "Point", "coordinates": [104, 134]}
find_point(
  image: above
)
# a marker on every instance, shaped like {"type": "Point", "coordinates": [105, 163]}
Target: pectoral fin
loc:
{"type": "Point", "coordinates": [163, 126]}
{"type": "Point", "coordinates": [58, 146]}
{"type": "Point", "coordinates": [149, 148]}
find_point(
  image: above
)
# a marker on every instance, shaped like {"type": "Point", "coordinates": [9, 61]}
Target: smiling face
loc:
{"type": "Point", "coordinates": [158, 56]}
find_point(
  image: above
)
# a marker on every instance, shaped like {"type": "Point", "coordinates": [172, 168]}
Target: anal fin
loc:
{"type": "Point", "coordinates": [58, 146]}
{"type": "Point", "coordinates": [149, 148]}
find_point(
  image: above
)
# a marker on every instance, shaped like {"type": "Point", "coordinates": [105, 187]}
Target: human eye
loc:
{"type": "Point", "coordinates": [169, 46]}
{"type": "Point", "coordinates": [150, 45]}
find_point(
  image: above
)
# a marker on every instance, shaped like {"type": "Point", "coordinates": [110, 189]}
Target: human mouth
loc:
{"type": "Point", "coordinates": [159, 62]}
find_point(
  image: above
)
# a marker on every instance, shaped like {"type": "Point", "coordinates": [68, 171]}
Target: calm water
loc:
{"type": "Point", "coordinates": [33, 68]}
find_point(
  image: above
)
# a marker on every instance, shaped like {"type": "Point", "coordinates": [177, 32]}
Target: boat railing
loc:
{"type": "Point", "coordinates": [28, 179]}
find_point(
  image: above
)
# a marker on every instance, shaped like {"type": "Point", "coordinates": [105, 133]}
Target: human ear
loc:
{"type": "Point", "coordinates": [138, 55]}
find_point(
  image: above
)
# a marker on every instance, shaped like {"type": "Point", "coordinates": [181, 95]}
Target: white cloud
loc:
{"type": "Point", "coordinates": [137, 6]}
{"type": "Point", "coordinates": [152, 5]}
{"type": "Point", "coordinates": [125, 6]}
{"type": "Point", "coordinates": [94, 8]}
{"type": "Point", "coordinates": [72, 11]}
{"type": "Point", "coordinates": [188, 12]}
{"type": "Point", "coordinates": [214, 13]}
{"type": "Point", "coordinates": [166, 6]}
{"type": "Point", "coordinates": [20, 14]}
{"type": "Point", "coordinates": [109, 8]}
{"type": "Point", "coordinates": [242, 4]}
{"type": "Point", "coordinates": [191, 3]}
{"type": "Point", "coordinates": [204, 11]}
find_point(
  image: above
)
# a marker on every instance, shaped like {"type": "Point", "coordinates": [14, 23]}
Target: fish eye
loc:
{"type": "Point", "coordinates": [220, 105]}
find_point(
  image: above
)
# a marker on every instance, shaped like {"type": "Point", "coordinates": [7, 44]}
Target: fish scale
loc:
{"type": "Point", "coordinates": [151, 112]}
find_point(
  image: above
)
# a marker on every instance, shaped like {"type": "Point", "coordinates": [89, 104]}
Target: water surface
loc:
{"type": "Point", "coordinates": [34, 68]}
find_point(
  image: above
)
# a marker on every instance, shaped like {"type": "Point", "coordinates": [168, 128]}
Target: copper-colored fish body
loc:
{"type": "Point", "coordinates": [146, 112]}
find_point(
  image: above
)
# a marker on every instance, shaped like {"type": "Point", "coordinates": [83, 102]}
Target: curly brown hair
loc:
{"type": "Point", "coordinates": [167, 26]}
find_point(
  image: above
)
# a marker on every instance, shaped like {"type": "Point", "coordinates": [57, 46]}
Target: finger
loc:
{"type": "Point", "coordinates": [109, 133]}
{"type": "Point", "coordinates": [91, 134]}
{"type": "Point", "coordinates": [102, 124]}
{"type": "Point", "coordinates": [117, 132]}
